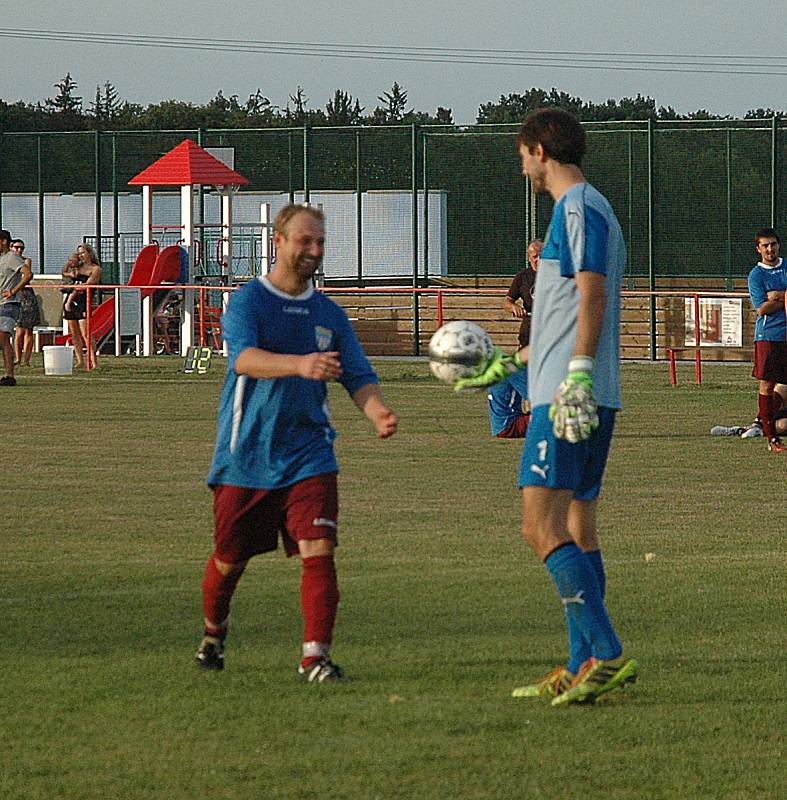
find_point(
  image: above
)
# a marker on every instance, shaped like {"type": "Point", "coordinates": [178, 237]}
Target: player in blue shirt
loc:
{"type": "Point", "coordinates": [274, 470]}
{"type": "Point", "coordinates": [574, 390]}
{"type": "Point", "coordinates": [767, 285]}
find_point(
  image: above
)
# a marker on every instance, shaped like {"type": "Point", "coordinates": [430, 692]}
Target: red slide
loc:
{"type": "Point", "coordinates": [152, 268]}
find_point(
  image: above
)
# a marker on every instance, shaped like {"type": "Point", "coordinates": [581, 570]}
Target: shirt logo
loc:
{"type": "Point", "coordinates": [322, 522]}
{"type": "Point", "coordinates": [295, 310]}
{"type": "Point", "coordinates": [324, 337]}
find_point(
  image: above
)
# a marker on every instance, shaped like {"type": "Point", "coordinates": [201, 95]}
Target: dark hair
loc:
{"type": "Point", "coordinates": [766, 233]}
{"type": "Point", "coordinates": [557, 131]}
{"type": "Point", "coordinates": [5, 235]}
{"type": "Point", "coordinates": [17, 241]}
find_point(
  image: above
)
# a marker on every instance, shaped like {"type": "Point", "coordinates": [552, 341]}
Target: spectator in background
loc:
{"type": "Point", "coordinates": [14, 276]}
{"type": "Point", "coordinates": [519, 300]}
{"type": "Point", "coordinates": [767, 285]}
{"type": "Point", "coordinates": [84, 269]}
{"type": "Point", "coordinates": [29, 313]}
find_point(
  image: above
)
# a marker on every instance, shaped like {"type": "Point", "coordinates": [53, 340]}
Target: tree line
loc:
{"type": "Point", "coordinates": [66, 110]}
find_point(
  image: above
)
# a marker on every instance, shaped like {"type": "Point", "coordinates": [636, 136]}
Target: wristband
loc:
{"type": "Point", "coordinates": [581, 364]}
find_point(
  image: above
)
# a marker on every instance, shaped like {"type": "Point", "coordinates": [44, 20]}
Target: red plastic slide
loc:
{"type": "Point", "coordinates": [152, 268]}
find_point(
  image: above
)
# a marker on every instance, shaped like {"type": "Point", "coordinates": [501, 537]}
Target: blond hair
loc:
{"type": "Point", "coordinates": [288, 213]}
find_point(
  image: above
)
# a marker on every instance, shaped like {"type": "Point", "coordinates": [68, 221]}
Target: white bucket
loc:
{"type": "Point", "coordinates": [58, 359]}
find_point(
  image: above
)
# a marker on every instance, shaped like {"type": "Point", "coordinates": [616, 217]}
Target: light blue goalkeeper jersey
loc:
{"type": "Point", "coordinates": [584, 234]}
{"type": "Point", "coordinates": [273, 433]}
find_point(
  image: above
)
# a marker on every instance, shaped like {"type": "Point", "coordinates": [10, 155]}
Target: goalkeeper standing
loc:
{"type": "Point", "coordinates": [574, 391]}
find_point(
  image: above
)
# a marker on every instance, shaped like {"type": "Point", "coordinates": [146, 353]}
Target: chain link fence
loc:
{"type": "Point", "coordinates": [417, 204]}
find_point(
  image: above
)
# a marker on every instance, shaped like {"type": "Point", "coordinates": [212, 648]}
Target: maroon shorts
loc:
{"type": "Point", "coordinates": [770, 361]}
{"type": "Point", "coordinates": [249, 521]}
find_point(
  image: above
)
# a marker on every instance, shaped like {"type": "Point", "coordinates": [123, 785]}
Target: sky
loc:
{"type": "Point", "coordinates": [144, 75]}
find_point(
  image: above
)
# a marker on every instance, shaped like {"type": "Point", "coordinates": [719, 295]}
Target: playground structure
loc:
{"type": "Point", "coordinates": [187, 165]}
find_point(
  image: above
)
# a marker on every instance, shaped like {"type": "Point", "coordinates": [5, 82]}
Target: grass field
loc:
{"type": "Point", "coordinates": [106, 526]}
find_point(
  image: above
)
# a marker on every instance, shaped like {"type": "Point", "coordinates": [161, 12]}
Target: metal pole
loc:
{"type": "Point", "coordinates": [630, 212]}
{"type": "Point", "coordinates": [41, 241]}
{"type": "Point", "coordinates": [729, 210]}
{"type": "Point", "coordinates": [358, 209]}
{"type": "Point", "coordinates": [115, 211]}
{"type": "Point", "coordinates": [651, 215]}
{"type": "Point", "coordinates": [97, 170]}
{"type": "Point", "coordinates": [773, 171]}
{"type": "Point", "coordinates": [290, 187]}
{"type": "Point", "coordinates": [201, 209]}
{"type": "Point", "coordinates": [414, 225]}
{"type": "Point", "coordinates": [425, 139]}
{"type": "Point", "coordinates": [306, 144]}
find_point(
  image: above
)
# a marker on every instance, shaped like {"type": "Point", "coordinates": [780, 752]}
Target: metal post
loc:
{"type": "Point", "coordinates": [290, 187]}
{"type": "Point", "coordinates": [306, 144]}
{"type": "Point", "coordinates": [97, 170]}
{"type": "Point", "coordinates": [729, 210]}
{"type": "Point", "coordinates": [358, 210]}
{"type": "Point", "coordinates": [651, 265]}
{"type": "Point", "coordinates": [425, 139]}
{"type": "Point", "coordinates": [115, 212]}
{"type": "Point", "coordinates": [201, 208]}
{"type": "Point", "coordinates": [630, 212]}
{"type": "Point", "coordinates": [414, 225]}
{"type": "Point", "coordinates": [773, 171]}
{"type": "Point", "coordinates": [40, 187]}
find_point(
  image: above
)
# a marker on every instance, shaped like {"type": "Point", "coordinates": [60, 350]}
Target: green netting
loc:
{"type": "Point", "coordinates": [689, 196]}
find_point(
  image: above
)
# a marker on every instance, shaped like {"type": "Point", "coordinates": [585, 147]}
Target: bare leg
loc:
{"type": "Point", "coordinates": [28, 345]}
{"type": "Point", "coordinates": [77, 341]}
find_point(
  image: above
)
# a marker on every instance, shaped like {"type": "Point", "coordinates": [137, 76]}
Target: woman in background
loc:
{"type": "Point", "coordinates": [84, 269]}
{"type": "Point", "coordinates": [29, 314]}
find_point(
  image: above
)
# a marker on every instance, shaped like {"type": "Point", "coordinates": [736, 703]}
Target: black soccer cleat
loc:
{"type": "Point", "coordinates": [211, 653]}
{"type": "Point", "coordinates": [323, 670]}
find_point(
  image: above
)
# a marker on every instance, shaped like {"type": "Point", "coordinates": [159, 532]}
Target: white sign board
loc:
{"type": "Point", "coordinates": [721, 322]}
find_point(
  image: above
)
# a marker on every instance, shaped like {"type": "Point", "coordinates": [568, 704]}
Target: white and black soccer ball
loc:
{"type": "Point", "coordinates": [459, 349]}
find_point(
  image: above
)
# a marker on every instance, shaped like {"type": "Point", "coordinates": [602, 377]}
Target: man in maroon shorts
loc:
{"type": "Point", "coordinates": [274, 470]}
{"type": "Point", "coordinates": [767, 285]}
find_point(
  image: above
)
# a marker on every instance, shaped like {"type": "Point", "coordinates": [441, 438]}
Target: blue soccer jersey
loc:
{"type": "Point", "coordinates": [764, 279]}
{"type": "Point", "coordinates": [584, 234]}
{"type": "Point", "coordinates": [273, 433]}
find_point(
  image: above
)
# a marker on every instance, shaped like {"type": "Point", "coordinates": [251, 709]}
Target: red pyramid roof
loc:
{"type": "Point", "coordinates": [188, 163]}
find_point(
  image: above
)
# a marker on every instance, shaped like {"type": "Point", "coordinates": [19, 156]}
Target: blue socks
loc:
{"type": "Point", "coordinates": [579, 578]}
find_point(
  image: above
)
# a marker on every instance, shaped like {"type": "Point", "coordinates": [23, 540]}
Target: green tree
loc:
{"type": "Point", "coordinates": [341, 109]}
{"type": "Point", "coordinates": [66, 101]}
{"type": "Point", "coordinates": [393, 108]}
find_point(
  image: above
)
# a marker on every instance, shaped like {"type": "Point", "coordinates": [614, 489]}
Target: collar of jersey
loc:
{"type": "Point", "coordinates": [774, 266]}
{"type": "Point", "coordinates": [263, 279]}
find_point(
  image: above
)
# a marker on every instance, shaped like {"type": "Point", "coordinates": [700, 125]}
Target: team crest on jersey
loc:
{"type": "Point", "coordinates": [324, 337]}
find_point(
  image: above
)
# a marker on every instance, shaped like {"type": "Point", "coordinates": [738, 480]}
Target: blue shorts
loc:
{"type": "Point", "coordinates": [504, 401]}
{"type": "Point", "coordinates": [556, 464]}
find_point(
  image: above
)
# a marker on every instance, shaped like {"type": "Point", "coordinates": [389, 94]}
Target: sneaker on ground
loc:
{"type": "Point", "coordinates": [211, 653]}
{"type": "Point", "coordinates": [776, 445]}
{"type": "Point", "coordinates": [597, 677]}
{"type": "Point", "coordinates": [723, 430]}
{"type": "Point", "coordinates": [323, 670]}
{"type": "Point", "coordinates": [754, 430]}
{"type": "Point", "coordinates": [549, 686]}
{"type": "Point", "coordinates": [7, 381]}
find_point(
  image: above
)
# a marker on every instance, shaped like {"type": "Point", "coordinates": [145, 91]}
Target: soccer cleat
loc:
{"type": "Point", "coordinates": [754, 430]}
{"type": "Point", "coordinates": [776, 445]}
{"type": "Point", "coordinates": [723, 430]}
{"type": "Point", "coordinates": [323, 670]}
{"type": "Point", "coordinates": [211, 653]}
{"type": "Point", "coordinates": [7, 381]}
{"type": "Point", "coordinates": [548, 687]}
{"type": "Point", "coordinates": [597, 677]}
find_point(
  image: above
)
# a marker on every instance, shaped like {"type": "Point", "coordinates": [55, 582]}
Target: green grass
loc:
{"type": "Point", "coordinates": [106, 527]}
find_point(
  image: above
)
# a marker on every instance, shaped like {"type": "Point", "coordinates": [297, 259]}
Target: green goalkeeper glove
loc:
{"type": "Point", "coordinates": [497, 369]}
{"type": "Point", "coordinates": [574, 413]}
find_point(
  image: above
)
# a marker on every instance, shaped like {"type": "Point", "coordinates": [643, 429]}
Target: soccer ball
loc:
{"type": "Point", "coordinates": [459, 350]}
